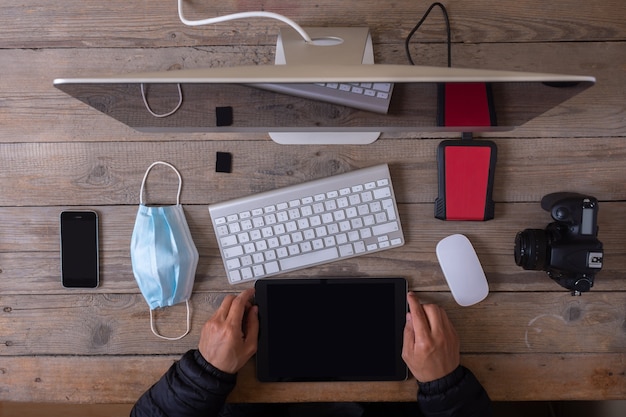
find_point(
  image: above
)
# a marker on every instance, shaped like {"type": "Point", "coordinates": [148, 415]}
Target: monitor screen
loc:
{"type": "Point", "coordinates": [270, 98]}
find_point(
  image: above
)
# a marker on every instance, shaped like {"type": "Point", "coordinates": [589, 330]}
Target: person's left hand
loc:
{"type": "Point", "coordinates": [229, 338]}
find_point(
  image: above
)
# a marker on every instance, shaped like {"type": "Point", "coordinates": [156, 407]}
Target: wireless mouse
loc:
{"type": "Point", "coordinates": [462, 270]}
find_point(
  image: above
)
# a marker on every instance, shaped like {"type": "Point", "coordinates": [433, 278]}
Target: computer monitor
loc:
{"type": "Point", "coordinates": [287, 99]}
{"type": "Point", "coordinates": [226, 99]}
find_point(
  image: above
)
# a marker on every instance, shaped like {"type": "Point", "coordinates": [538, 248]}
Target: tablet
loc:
{"type": "Point", "coordinates": [331, 329]}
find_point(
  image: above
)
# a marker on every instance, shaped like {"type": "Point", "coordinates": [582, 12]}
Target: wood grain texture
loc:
{"type": "Point", "coordinates": [37, 24]}
{"type": "Point", "coordinates": [105, 173]}
{"type": "Point", "coordinates": [529, 340]}
{"type": "Point", "coordinates": [65, 379]}
{"type": "Point", "coordinates": [118, 324]}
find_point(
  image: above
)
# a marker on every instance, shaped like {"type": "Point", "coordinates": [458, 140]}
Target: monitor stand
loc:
{"type": "Point", "coordinates": [336, 46]}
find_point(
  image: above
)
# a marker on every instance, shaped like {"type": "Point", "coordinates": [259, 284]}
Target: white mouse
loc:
{"type": "Point", "coordinates": [462, 269]}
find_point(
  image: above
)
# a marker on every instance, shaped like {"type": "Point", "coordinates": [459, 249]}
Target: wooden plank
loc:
{"type": "Point", "coordinates": [118, 324]}
{"type": "Point", "coordinates": [29, 250]}
{"type": "Point", "coordinates": [38, 24]}
{"type": "Point", "coordinates": [94, 174]}
{"type": "Point", "coordinates": [122, 379]}
{"type": "Point", "coordinates": [9, 409]}
{"type": "Point", "coordinates": [29, 96]}
{"type": "Point", "coordinates": [562, 376]}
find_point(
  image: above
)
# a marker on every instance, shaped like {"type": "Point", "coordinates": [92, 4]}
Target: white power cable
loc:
{"type": "Point", "coordinates": [242, 15]}
{"type": "Point", "coordinates": [145, 102]}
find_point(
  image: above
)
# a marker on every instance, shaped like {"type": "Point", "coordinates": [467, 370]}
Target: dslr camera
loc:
{"type": "Point", "coordinates": [568, 249]}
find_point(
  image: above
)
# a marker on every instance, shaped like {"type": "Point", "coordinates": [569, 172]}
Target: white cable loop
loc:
{"type": "Point", "coordinates": [243, 15]}
{"type": "Point", "coordinates": [145, 102]}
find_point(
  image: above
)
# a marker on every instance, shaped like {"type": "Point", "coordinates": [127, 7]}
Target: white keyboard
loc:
{"type": "Point", "coordinates": [374, 97]}
{"type": "Point", "coordinates": [307, 224]}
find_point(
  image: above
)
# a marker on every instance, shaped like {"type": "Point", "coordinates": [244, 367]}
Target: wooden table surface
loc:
{"type": "Point", "coordinates": [529, 340]}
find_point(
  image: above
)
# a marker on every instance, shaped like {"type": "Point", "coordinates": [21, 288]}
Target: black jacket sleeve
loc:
{"type": "Point", "coordinates": [458, 394]}
{"type": "Point", "coordinates": [192, 387]}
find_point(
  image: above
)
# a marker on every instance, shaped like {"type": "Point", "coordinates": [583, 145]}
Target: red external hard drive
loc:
{"type": "Point", "coordinates": [466, 172]}
{"type": "Point", "coordinates": [468, 105]}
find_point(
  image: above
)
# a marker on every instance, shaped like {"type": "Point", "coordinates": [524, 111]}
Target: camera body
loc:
{"type": "Point", "coordinates": [568, 249]}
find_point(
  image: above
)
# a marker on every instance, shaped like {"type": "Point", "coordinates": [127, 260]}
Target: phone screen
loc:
{"type": "Point", "coordinates": [79, 249]}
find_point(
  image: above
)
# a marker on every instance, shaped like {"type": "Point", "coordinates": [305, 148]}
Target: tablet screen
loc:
{"type": "Point", "coordinates": [332, 329]}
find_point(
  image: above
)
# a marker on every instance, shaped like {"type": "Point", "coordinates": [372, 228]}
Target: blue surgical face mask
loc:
{"type": "Point", "coordinates": [163, 255]}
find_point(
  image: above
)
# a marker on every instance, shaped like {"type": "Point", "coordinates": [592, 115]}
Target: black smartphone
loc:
{"type": "Point", "coordinates": [79, 249]}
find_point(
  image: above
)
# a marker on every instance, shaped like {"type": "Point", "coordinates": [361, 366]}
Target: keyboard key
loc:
{"type": "Point", "coordinates": [233, 251]}
{"type": "Point", "coordinates": [229, 240]}
{"type": "Point", "coordinates": [388, 206]}
{"type": "Point", "coordinates": [386, 87]}
{"type": "Point", "coordinates": [234, 276]}
{"type": "Point", "coordinates": [271, 267]}
{"type": "Point", "coordinates": [346, 250]}
{"type": "Point", "coordinates": [246, 273]}
{"type": "Point", "coordinates": [382, 193]}
{"type": "Point", "coordinates": [233, 263]}
{"type": "Point", "coordinates": [306, 247]}
{"type": "Point", "coordinates": [323, 255]}
{"type": "Point", "coordinates": [380, 229]}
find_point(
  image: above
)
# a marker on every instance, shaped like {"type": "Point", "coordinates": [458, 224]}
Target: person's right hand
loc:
{"type": "Point", "coordinates": [230, 338]}
{"type": "Point", "coordinates": [431, 347]}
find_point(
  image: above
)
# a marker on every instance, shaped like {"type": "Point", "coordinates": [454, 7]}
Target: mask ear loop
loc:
{"type": "Point", "coordinates": [145, 102]}
{"type": "Point", "coordinates": [172, 338]}
{"type": "Point", "coordinates": [180, 184]}
{"type": "Point", "coordinates": [143, 182]}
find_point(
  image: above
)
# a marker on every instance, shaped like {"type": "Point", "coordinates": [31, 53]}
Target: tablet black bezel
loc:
{"type": "Point", "coordinates": [264, 374]}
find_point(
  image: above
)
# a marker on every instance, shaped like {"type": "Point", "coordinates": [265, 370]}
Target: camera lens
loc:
{"type": "Point", "coordinates": [531, 249]}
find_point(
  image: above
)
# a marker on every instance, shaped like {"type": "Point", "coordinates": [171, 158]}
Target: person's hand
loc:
{"type": "Point", "coordinates": [229, 339]}
{"type": "Point", "coordinates": [431, 346]}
